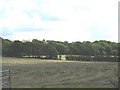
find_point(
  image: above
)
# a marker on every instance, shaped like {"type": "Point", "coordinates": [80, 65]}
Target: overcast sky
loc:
{"type": "Point", "coordinates": [60, 20]}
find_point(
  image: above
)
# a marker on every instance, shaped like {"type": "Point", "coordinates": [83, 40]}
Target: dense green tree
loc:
{"type": "Point", "coordinates": [96, 49]}
{"type": "Point", "coordinates": [51, 48]}
{"type": "Point", "coordinates": [88, 48]}
{"type": "Point", "coordinates": [50, 51]}
{"type": "Point", "coordinates": [16, 49]}
{"type": "Point", "coordinates": [27, 48]}
{"type": "Point", "coordinates": [38, 48]}
{"type": "Point", "coordinates": [61, 48]}
{"type": "Point", "coordinates": [6, 47]}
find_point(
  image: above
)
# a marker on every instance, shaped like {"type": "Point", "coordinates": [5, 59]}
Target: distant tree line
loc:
{"type": "Point", "coordinates": [51, 49]}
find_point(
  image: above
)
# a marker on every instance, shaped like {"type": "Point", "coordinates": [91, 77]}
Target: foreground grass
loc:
{"type": "Point", "coordinates": [36, 73]}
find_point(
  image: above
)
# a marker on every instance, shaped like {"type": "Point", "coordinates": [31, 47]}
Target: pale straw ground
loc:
{"type": "Point", "coordinates": [37, 73]}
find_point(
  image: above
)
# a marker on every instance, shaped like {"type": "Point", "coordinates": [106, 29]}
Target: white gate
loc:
{"type": "Point", "coordinates": [5, 78]}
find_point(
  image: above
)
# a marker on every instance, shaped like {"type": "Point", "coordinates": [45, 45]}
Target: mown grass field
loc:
{"type": "Point", "coordinates": [36, 73]}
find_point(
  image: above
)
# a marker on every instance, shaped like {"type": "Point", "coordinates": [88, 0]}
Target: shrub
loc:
{"type": "Point", "coordinates": [92, 58]}
{"type": "Point", "coordinates": [107, 58]}
{"type": "Point", "coordinates": [78, 57]}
